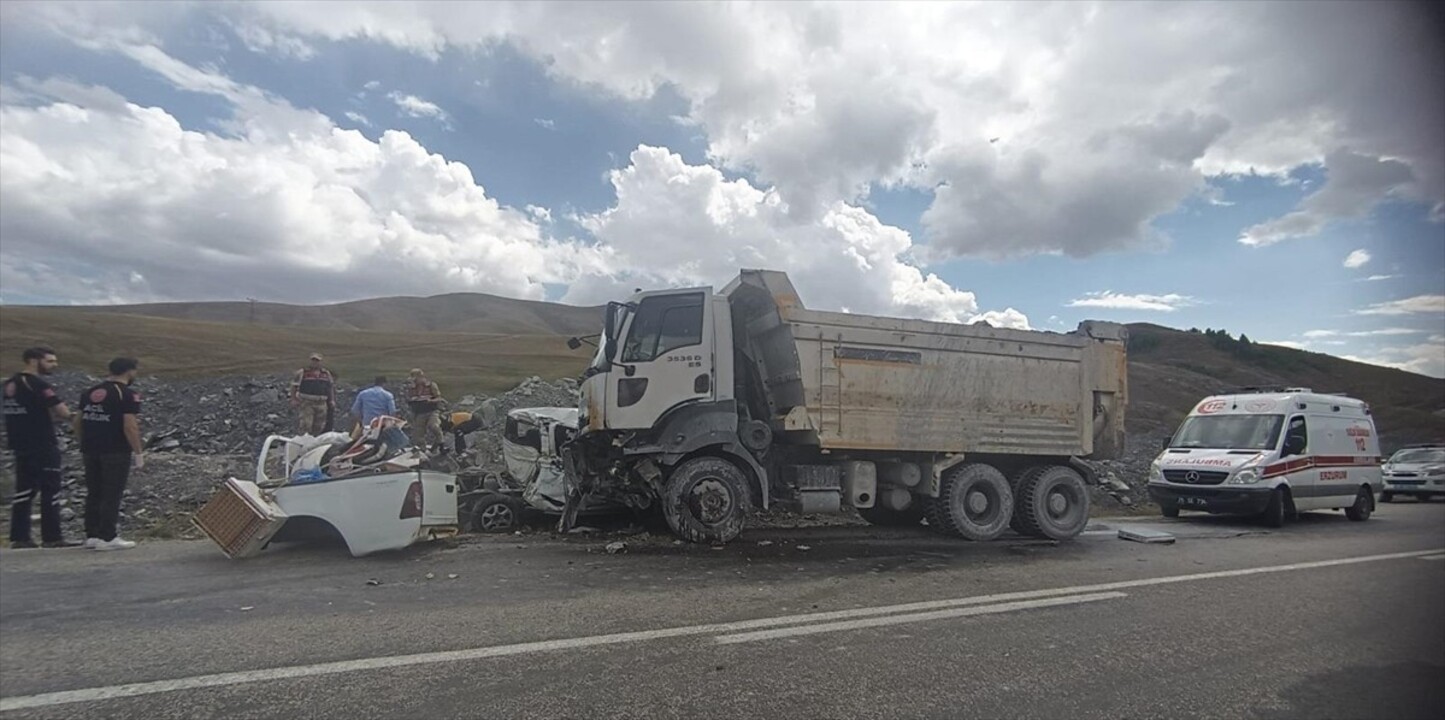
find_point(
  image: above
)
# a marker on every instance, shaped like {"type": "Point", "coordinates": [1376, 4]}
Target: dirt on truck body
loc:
{"type": "Point", "coordinates": [710, 404]}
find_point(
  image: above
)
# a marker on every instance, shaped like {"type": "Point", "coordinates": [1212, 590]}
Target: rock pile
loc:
{"type": "Point", "coordinates": [1122, 482]}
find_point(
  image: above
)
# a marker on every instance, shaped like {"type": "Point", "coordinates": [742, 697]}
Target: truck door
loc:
{"type": "Point", "coordinates": [665, 360]}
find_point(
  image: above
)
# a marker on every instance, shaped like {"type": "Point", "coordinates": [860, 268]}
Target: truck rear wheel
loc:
{"type": "Point", "coordinates": [706, 500]}
{"type": "Point", "coordinates": [1015, 523]}
{"type": "Point", "coordinates": [1052, 503]}
{"type": "Point", "coordinates": [882, 516]}
{"type": "Point", "coordinates": [974, 503]}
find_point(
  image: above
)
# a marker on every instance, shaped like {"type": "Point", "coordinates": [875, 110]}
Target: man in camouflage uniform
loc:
{"type": "Point", "coordinates": [424, 399]}
{"type": "Point", "coordinates": [313, 394]}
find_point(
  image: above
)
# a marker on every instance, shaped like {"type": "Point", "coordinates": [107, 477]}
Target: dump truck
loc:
{"type": "Point", "coordinates": [708, 405]}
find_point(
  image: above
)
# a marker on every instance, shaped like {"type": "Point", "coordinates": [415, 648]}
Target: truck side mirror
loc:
{"type": "Point", "coordinates": [573, 343]}
{"type": "Point", "coordinates": [1167, 440]}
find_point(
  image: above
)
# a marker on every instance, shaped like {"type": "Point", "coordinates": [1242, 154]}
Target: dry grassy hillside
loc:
{"type": "Point", "coordinates": [458, 312]}
{"type": "Point", "coordinates": [1170, 369]}
{"type": "Point", "coordinates": [459, 362]}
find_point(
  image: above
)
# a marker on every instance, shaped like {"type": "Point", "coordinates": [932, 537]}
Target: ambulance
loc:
{"type": "Point", "coordinates": [1271, 453]}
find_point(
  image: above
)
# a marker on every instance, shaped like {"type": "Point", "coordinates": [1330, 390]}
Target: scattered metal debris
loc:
{"type": "Point", "coordinates": [1145, 535]}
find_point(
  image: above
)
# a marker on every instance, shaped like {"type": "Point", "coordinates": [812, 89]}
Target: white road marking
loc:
{"type": "Point", "coordinates": [1433, 557]}
{"type": "Point", "coordinates": [914, 617]}
{"type": "Point", "coordinates": [65, 697]}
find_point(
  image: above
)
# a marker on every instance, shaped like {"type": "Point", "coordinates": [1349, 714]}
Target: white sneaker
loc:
{"type": "Point", "coordinates": [116, 544]}
{"type": "Point", "coordinates": [91, 543]}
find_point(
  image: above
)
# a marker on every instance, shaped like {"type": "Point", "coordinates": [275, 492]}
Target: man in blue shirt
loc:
{"type": "Point", "coordinates": [373, 402]}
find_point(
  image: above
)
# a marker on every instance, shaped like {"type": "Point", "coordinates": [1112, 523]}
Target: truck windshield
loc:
{"type": "Point", "coordinates": [1229, 432]}
{"type": "Point", "coordinates": [619, 313]}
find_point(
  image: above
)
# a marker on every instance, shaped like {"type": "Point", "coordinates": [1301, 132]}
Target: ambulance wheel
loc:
{"type": "Point", "coordinates": [1273, 515]}
{"type": "Point", "coordinates": [1169, 511]}
{"type": "Point", "coordinates": [1364, 505]}
{"type": "Point", "coordinates": [1387, 497]}
{"type": "Point", "coordinates": [706, 500]}
{"type": "Point", "coordinates": [974, 503]}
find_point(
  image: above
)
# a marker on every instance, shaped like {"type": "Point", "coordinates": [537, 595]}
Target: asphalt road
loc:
{"type": "Point", "coordinates": [1323, 619]}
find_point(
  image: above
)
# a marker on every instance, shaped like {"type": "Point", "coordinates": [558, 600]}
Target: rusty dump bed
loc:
{"type": "Point", "coordinates": [860, 383]}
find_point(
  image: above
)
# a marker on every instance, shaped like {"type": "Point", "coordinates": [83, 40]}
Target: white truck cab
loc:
{"type": "Point", "coordinates": [1271, 452]}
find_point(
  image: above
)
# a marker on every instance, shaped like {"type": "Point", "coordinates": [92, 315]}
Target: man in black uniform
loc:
{"type": "Point", "coordinates": [111, 445]}
{"type": "Point", "coordinates": [31, 409]}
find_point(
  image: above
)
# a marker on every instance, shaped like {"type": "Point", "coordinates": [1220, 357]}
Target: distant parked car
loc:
{"type": "Point", "coordinates": [1417, 470]}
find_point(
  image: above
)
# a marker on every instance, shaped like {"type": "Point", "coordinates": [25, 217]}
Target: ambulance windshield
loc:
{"type": "Point", "coordinates": [1228, 432]}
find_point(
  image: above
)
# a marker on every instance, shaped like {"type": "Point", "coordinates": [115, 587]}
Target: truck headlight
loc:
{"type": "Point", "coordinates": [1156, 474]}
{"type": "Point", "coordinates": [1435, 472]}
{"type": "Point", "coordinates": [1247, 476]}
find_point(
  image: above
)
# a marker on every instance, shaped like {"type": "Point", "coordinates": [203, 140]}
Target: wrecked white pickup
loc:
{"type": "Point", "coordinates": [373, 499]}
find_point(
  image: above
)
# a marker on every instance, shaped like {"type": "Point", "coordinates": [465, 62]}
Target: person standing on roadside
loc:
{"type": "Point", "coordinates": [313, 394]}
{"type": "Point", "coordinates": [424, 399]}
{"type": "Point", "coordinates": [110, 442]}
{"type": "Point", "coordinates": [372, 403]}
{"type": "Point", "coordinates": [31, 409]}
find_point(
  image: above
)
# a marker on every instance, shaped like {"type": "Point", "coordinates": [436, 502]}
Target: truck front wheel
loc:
{"type": "Point", "coordinates": [974, 503]}
{"type": "Point", "coordinates": [706, 500]}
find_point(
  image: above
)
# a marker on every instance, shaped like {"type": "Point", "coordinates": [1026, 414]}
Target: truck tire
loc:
{"type": "Point", "coordinates": [705, 500]}
{"type": "Point", "coordinates": [1015, 523]}
{"type": "Point", "coordinates": [1169, 511]}
{"type": "Point", "coordinates": [1364, 505]}
{"type": "Point", "coordinates": [883, 517]}
{"type": "Point", "coordinates": [1052, 503]}
{"type": "Point", "coordinates": [974, 503]}
{"type": "Point", "coordinates": [1387, 497]}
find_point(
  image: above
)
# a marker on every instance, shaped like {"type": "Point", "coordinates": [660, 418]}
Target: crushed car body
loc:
{"type": "Point", "coordinates": [376, 493]}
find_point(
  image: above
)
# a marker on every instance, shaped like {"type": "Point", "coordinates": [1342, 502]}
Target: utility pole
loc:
{"type": "Point", "coordinates": [252, 319]}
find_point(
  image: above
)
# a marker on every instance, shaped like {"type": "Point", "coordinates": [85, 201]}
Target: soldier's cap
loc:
{"type": "Point", "coordinates": [315, 356]}
{"type": "Point", "coordinates": [415, 372]}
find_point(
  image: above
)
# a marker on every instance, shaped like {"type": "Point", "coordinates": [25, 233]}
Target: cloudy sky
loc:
{"type": "Point", "coordinates": [1273, 169]}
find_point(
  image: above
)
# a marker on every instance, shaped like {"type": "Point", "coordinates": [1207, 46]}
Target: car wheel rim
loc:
{"type": "Point", "coordinates": [496, 517]}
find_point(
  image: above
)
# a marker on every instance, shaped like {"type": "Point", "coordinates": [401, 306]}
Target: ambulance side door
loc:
{"type": "Point", "coordinates": [1297, 451]}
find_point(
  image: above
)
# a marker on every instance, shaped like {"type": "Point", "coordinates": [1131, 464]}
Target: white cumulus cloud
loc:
{"type": "Point", "coordinates": [1121, 301]}
{"type": "Point", "coordinates": [1419, 304]}
{"type": "Point", "coordinates": [288, 208]}
{"type": "Point", "coordinates": [1357, 259]}
{"type": "Point", "coordinates": [417, 107]}
{"type": "Point", "coordinates": [1060, 128]}
{"type": "Point", "coordinates": [683, 225]}
{"type": "Point", "coordinates": [285, 205]}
